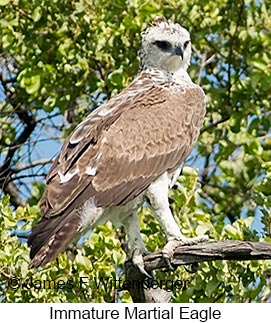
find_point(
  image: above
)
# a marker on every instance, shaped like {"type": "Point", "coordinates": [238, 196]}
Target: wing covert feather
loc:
{"type": "Point", "coordinates": [126, 150]}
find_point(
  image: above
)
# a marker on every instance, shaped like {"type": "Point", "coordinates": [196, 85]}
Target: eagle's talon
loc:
{"type": "Point", "coordinates": [169, 265]}
{"type": "Point", "coordinates": [138, 261]}
{"type": "Point", "coordinates": [169, 248]}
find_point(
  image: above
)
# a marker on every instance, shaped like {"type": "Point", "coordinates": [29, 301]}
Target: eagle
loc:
{"type": "Point", "coordinates": [127, 152]}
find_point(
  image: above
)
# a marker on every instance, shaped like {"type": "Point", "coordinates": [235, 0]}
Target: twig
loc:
{"type": "Point", "coordinates": [28, 176]}
{"type": "Point", "coordinates": [32, 164]}
{"type": "Point", "coordinates": [212, 125]}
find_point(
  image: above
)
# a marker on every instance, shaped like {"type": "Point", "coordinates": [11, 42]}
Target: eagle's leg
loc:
{"type": "Point", "coordinates": [136, 245]}
{"type": "Point", "coordinates": [158, 196]}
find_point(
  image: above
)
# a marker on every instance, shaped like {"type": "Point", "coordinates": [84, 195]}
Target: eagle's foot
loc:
{"type": "Point", "coordinates": [168, 250]}
{"type": "Point", "coordinates": [137, 259]}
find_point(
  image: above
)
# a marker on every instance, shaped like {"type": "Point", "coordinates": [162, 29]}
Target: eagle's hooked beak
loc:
{"type": "Point", "coordinates": [179, 50]}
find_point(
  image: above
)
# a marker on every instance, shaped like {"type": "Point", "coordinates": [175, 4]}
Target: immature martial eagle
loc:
{"type": "Point", "coordinates": [127, 151]}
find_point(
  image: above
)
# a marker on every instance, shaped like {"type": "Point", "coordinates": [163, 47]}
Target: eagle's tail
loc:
{"type": "Point", "coordinates": [51, 236]}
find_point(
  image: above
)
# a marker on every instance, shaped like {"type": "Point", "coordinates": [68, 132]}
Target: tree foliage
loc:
{"type": "Point", "coordinates": [58, 61]}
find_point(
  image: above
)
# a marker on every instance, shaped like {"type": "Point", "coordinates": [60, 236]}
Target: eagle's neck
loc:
{"type": "Point", "coordinates": [179, 77]}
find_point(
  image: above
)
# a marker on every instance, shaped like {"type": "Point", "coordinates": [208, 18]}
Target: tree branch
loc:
{"type": "Point", "coordinates": [187, 255]}
{"type": "Point", "coordinates": [33, 164]}
{"type": "Point", "coordinates": [213, 125]}
{"type": "Point", "coordinates": [15, 199]}
{"type": "Point", "coordinates": [30, 124]}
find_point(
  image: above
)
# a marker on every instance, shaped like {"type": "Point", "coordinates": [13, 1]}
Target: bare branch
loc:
{"type": "Point", "coordinates": [212, 125]}
{"type": "Point", "coordinates": [50, 116]}
{"type": "Point", "coordinates": [187, 255]}
{"type": "Point", "coordinates": [32, 164]}
{"type": "Point", "coordinates": [30, 124]}
{"type": "Point", "coordinates": [211, 250]}
{"type": "Point", "coordinates": [29, 176]}
{"type": "Point", "coordinates": [12, 190]}
{"type": "Point", "coordinates": [204, 62]}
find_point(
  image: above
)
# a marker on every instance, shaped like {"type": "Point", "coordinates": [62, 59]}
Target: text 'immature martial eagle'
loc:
{"type": "Point", "coordinates": [127, 151]}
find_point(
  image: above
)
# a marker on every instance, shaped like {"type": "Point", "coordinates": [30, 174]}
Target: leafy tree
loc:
{"type": "Point", "coordinates": [58, 61]}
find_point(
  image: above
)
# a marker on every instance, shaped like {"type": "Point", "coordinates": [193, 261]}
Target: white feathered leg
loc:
{"type": "Point", "coordinates": [136, 244]}
{"type": "Point", "coordinates": [158, 196]}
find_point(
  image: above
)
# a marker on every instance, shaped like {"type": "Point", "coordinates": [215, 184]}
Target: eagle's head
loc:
{"type": "Point", "coordinates": [165, 46]}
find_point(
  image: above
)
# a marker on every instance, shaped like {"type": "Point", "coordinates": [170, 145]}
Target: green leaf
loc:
{"type": "Point", "coordinates": [233, 232]}
{"type": "Point", "coordinates": [37, 14]}
{"type": "Point", "coordinates": [30, 82]}
{"type": "Point", "coordinates": [33, 85]}
{"type": "Point", "coordinates": [4, 2]}
{"type": "Point", "coordinates": [116, 77]}
{"type": "Point", "coordinates": [212, 285]}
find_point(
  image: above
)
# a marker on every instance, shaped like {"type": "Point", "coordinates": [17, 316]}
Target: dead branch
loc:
{"type": "Point", "coordinates": [213, 125]}
{"type": "Point", "coordinates": [12, 190]}
{"type": "Point", "coordinates": [33, 164]}
{"type": "Point", "coordinates": [187, 255]}
{"type": "Point", "coordinates": [30, 123]}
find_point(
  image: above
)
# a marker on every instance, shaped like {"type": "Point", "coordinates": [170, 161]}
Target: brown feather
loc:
{"type": "Point", "coordinates": [51, 236]}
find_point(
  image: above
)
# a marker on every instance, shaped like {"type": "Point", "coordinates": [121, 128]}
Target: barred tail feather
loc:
{"type": "Point", "coordinates": [51, 236]}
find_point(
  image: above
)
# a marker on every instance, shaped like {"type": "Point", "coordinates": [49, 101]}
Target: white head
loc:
{"type": "Point", "coordinates": [165, 46]}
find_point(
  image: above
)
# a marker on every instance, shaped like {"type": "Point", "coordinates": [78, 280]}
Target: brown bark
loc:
{"type": "Point", "coordinates": [187, 255]}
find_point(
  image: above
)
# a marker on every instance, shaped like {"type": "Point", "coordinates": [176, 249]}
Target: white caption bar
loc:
{"type": "Point", "coordinates": [135, 312]}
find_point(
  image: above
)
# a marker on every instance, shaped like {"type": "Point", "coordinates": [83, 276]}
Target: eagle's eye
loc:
{"type": "Point", "coordinates": [164, 45]}
{"type": "Point", "coordinates": [186, 44]}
